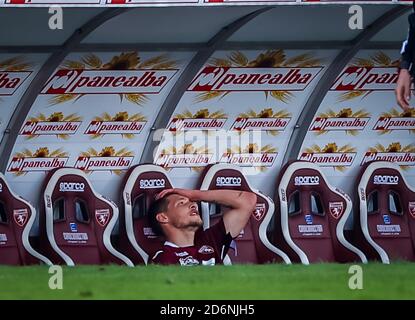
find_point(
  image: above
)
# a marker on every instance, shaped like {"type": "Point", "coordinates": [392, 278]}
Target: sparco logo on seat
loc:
{"type": "Point", "coordinates": [228, 181]}
{"type": "Point", "coordinates": [307, 180]}
{"type": "Point", "coordinates": [152, 183]}
{"type": "Point", "coordinates": [71, 186]}
{"type": "Point", "coordinates": [378, 179]}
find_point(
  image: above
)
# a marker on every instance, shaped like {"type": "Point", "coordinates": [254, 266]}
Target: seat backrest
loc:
{"type": "Point", "coordinates": [311, 215]}
{"type": "Point", "coordinates": [16, 220]}
{"type": "Point", "coordinates": [76, 222]}
{"type": "Point", "coordinates": [252, 245]}
{"type": "Point", "coordinates": [137, 238]}
{"type": "Point", "coordinates": [386, 212]}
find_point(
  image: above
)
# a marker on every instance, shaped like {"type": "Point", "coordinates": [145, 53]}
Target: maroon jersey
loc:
{"type": "Point", "coordinates": [211, 246]}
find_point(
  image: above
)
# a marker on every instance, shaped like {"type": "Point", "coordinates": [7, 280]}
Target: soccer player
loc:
{"type": "Point", "coordinates": [175, 214]}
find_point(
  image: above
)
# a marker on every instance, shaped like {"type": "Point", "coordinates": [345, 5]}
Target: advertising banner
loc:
{"type": "Point", "coordinates": [359, 121]}
{"type": "Point", "coordinates": [16, 73]}
{"type": "Point", "coordinates": [240, 108]}
{"type": "Point", "coordinates": [94, 113]}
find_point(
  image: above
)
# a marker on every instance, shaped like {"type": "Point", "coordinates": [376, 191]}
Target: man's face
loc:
{"type": "Point", "coordinates": [182, 212]}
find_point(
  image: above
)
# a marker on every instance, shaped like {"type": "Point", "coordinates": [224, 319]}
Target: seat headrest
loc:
{"type": "Point", "coordinates": [147, 179]}
{"type": "Point", "coordinates": [68, 181]}
{"type": "Point", "coordinates": [224, 176]}
{"type": "Point", "coordinates": [382, 174]}
{"type": "Point", "coordinates": [303, 175]}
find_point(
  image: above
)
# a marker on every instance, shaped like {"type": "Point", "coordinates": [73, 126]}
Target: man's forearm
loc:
{"type": "Point", "coordinates": [231, 198]}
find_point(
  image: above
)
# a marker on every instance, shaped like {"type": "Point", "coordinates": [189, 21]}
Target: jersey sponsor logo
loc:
{"type": "Point", "coordinates": [206, 250]}
{"type": "Point", "coordinates": [71, 187]}
{"type": "Point", "coordinates": [188, 261]}
{"type": "Point", "coordinates": [20, 216]}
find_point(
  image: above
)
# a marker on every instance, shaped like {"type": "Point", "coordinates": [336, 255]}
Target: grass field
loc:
{"type": "Point", "coordinates": [317, 281]}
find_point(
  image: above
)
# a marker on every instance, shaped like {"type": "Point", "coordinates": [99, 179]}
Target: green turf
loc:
{"type": "Point", "coordinates": [317, 281]}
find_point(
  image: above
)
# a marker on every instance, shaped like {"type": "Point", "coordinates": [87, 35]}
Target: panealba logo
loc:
{"type": "Point", "coordinates": [56, 124]}
{"type": "Point", "coordinates": [271, 72]}
{"type": "Point", "coordinates": [108, 159]}
{"type": "Point", "coordinates": [251, 156]}
{"type": "Point", "coordinates": [404, 156]}
{"type": "Point", "coordinates": [40, 160]}
{"type": "Point", "coordinates": [13, 72]}
{"type": "Point", "coordinates": [122, 123]}
{"type": "Point", "coordinates": [200, 120]}
{"type": "Point", "coordinates": [395, 120]}
{"type": "Point", "coordinates": [126, 75]}
{"type": "Point", "coordinates": [185, 157]}
{"type": "Point", "coordinates": [330, 156]}
{"type": "Point", "coordinates": [344, 120]}
{"type": "Point", "coordinates": [363, 76]}
{"type": "Point", "coordinates": [268, 120]}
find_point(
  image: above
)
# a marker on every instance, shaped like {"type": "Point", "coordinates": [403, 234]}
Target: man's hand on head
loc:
{"type": "Point", "coordinates": [191, 194]}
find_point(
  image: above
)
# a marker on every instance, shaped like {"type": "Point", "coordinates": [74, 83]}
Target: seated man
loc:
{"type": "Point", "coordinates": [175, 214]}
